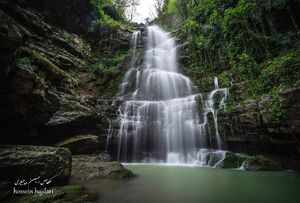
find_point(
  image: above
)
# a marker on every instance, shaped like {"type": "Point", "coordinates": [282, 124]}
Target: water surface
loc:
{"type": "Point", "coordinates": [156, 183]}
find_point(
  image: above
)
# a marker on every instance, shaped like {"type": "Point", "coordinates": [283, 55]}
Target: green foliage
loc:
{"type": "Point", "coordinates": [279, 71]}
{"type": "Point", "coordinates": [248, 38]}
{"type": "Point", "coordinates": [246, 66]}
{"type": "Point", "coordinates": [223, 32]}
{"type": "Point", "coordinates": [225, 79]}
{"type": "Point", "coordinates": [109, 20]}
{"type": "Point", "coordinates": [274, 107]}
{"type": "Point", "coordinates": [107, 66]}
{"type": "Point", "coordinates": [109, 72]}
{"type": "Point", "coordinates": [172, 14]}
{"type": "Point", "coordinates": [172, 6]}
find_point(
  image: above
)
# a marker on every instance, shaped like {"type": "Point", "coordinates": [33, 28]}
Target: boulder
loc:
{"type": "Point", "coordinates": [97, 166]}
{"type": "Point", "coordinates": [81, 144]}
{"type": "Point", "coordinates": [233, 160]}
{"type": "Point", "coordinates": [20, 162]}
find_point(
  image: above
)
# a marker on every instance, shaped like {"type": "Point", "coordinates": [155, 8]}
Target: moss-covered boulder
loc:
{"type": "Point", "coordinates": [81, 144]}
{"type": "Point", "coordinates": [27, 162]}
{"type": "Point", "coordinates": [263, 163]}
{"type": "Point", "coordinates": [97, 166]}
{"type": "Point", "coordinates": [233, 160]}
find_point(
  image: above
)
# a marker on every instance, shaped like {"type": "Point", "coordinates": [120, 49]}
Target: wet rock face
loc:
{"type": "Point", "coordinates": [248, 127]}
{"type": "Point", "coordinates": [290, 103]}
{"type": "Point", "coordinates": [28, 98]}
{"type": "Point", "coordinates": [25, 162]}
{"type": "Point", "coordinates": [77, 115]}
{"type": "Point", "coordinates": [71, 110]}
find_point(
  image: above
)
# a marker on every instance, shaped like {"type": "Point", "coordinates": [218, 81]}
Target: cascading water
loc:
{"type": "Point", "coordinates": [163, 117]}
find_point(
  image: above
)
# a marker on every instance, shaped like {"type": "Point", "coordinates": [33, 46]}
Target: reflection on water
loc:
{"type": "Point", "coordinates": [156, 183]}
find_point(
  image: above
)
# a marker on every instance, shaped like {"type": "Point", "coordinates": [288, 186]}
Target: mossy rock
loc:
{"type": "Point", "coordinates": [47, 66]}
{"type": "Point", "coordinates": [233, 160]}
{"type": "Point", "coordinates": [94, 167]}
{"type": "Point", "coordinates": [263, 163]}
{"type": "Point", "coordinates": [119, 172]}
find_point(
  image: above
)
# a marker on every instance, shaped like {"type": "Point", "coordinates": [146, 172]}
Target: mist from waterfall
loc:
{"type": "Point", "coordinates": [163, 118]}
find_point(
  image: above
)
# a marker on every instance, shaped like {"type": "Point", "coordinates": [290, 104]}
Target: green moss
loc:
{"type": "Point", "coordinates": [25, 63]}
{"type": "Point", "coordinates": [72, 189]}
{"type": "Point", "coordinates": [46, 65]}
{"type": "Point", "coordinates": [233, 160]}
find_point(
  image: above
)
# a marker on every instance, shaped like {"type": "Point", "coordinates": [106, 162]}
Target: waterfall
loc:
{"type": "Point", "coordinates": [126, 81]}
{"type": "Point", "coordinates": [163, 118]}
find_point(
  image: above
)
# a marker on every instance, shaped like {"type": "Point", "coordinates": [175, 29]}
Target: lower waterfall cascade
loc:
{"type": "Point", "coordinates": [163, 117]}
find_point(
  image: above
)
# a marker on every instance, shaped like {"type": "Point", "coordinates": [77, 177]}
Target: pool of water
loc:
{"type": "Point", "coordinates": [175, 184]}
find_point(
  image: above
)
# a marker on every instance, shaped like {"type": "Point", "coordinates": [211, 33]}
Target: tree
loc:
{"type": "Point", "coordinates": [131, 9]}
{"type": "Point", "coordinates": [126, 7]}
{"type": "Point", "coordinates": [159, 5]}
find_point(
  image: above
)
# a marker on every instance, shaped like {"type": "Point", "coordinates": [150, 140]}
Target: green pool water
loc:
{"type": "Point", "coordinates": [201, 185]}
